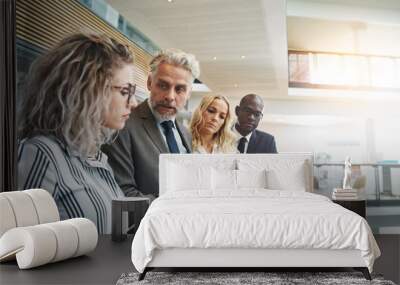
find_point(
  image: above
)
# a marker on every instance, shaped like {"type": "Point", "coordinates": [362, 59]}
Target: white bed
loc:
{"type": "Point", "coordinates": [247, 211]}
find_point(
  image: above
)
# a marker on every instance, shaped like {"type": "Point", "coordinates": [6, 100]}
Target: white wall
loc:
{"type": "Point", "coordinates": [369, 131]}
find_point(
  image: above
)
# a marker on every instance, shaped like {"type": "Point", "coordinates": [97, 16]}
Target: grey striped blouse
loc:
{"type": "Point", "coordinates": [81, 187]}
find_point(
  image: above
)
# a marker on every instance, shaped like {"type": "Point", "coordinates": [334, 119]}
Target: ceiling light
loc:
{"type": "Point", "coordinates": [214, 58]}
{"type": "Point", "coordinates": [242, 56]}
{"type": "Point", "coordinates": [169, 1]}
{"type": "Point", "coordinates": [235, 85]}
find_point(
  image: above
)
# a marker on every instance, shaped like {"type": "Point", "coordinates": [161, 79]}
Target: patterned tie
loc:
{"type": "Point", "coordinates": [242, 143]}
{"type": "Point", "coordinates": [169, 135]}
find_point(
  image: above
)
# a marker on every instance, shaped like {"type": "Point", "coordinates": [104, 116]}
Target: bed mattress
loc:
{"type": "Point", "coordinates": [250, 219]}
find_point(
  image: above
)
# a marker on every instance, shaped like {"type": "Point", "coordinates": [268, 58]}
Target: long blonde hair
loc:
{"type": "Point", "coordinates": [69, 91]}
{"type": "Point", "coordinates": [224, 138]}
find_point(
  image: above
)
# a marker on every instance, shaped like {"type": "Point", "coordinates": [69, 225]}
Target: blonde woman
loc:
{"type": "Point", "coordinates": [79, 94]}
{"type": "Point", "coordinates": [211, 126]}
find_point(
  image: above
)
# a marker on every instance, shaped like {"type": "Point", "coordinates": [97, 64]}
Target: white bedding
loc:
{"type": "Point", "coordinates": [252, 218]}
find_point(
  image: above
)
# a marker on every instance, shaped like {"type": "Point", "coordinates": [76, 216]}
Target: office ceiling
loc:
{"type": "Point", "coordinates": [242, 45]}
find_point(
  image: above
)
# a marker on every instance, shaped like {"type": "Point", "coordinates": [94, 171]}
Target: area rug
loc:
{"type": "Point", "coordinates": [243, 278]}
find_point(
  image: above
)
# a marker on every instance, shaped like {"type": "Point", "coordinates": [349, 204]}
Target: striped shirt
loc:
{"type": "Point", "coordinates": [81, 187]}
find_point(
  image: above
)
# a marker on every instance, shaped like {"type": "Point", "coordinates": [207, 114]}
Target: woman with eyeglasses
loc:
{"type": "Point", "coordinates": [211, 126]}
{"type": "Point", "coordinates": [79, 94]}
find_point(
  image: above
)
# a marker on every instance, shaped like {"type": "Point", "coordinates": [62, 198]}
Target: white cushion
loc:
{"type": "Point", "coordinates": [7, 218]}
{"type": "Point", "coordinates": [282, 174]}
{"type": "Point", "coordinates": [23, 208]}
{"type": "Point", "coordinates": [32, 246]}
{"type": "Point", "coordinates": [167, 173]}
{"type": "Point", "coordinates": [87, 235]}
{"type": "Point", "coordinates": [251, 178]}
{"type": "Point", "coordinates": [31, 232]}
{"type": "Point", "coordinates": [293, 179]}
{"type": "Point", "coordinates": [223, 179]}
{"type": "Point", "coordinates": [173, 178]}
{"type": "Point", "coordinates": [45, 206]}
{"type": "Point", "coordinates": [67, 238]}
{"type": "Point", "coordinates": [26, 208]}
{"type": "Point", "coordinates": [186, 178]}
{"type": "Point", "coordinates": [40, 244]}
{"type": "Point", "coordinates": [226, 180]}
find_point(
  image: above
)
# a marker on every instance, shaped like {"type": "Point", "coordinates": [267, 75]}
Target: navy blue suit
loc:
{"type": "Point", "coordinates": [261, 142]}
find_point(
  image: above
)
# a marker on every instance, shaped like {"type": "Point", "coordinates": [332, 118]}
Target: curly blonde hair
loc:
{"type": "Point", "coordinates": [69, 91]}
{"type": "Point", "coordinates": [224, 138]}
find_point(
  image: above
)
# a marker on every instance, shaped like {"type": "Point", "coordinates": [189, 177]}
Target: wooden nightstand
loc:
{"type": "Point", "coordinates": [357, 206]}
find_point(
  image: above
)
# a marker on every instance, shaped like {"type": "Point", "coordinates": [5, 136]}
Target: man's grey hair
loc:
{"type": "Point", "coordinates": [178, 58]}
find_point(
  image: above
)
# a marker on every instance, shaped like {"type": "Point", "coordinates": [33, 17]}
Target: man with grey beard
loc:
{"type": "Point", "coordinates": [152, 128]}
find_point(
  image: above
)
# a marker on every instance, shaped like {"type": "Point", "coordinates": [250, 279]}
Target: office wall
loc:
{"type": "Point", "coordinates": [369, 130]}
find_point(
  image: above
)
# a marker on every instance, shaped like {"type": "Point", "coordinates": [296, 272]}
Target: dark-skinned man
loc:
{"type": "Point", "coordinates": [249, 114]}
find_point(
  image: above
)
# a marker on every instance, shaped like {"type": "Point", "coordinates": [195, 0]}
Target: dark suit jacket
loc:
{"type": "Point", "coordinates": [135, 153]}
{"type": "Point", "coordinates": [261, 142]}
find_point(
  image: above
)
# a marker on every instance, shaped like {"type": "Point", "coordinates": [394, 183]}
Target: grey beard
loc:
{"type": "Point", "coordinates": [162, 117]}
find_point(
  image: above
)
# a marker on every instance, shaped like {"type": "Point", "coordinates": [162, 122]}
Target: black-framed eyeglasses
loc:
{"type": "Point", "coordinates": [128, 90]}
{"type": "Point", "coordinates": [248, 111]}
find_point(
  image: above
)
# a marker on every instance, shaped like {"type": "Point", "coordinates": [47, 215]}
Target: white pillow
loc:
{"type": "Point", "coordinates": [184, 177]}
{"type": "Point", "coordinates": [231, 180]}
{"type": "Point", "coordinates": [223, 179]}
{"type": "Point", "coordinates": [251, 178]}
{"type": "Point", "coordinates": [282, 174]}
{"type": "Point", "coordinates": [293, 180]}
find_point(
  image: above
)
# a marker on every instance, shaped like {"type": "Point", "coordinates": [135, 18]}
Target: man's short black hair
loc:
{"type": "Point", "coordinates": [251, 96]}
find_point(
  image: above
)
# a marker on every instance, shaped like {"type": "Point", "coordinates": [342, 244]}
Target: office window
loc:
{"type": "Point", "coordinates": [299, 67]}
{"type": "Point", "coordinates": [329, 70]}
